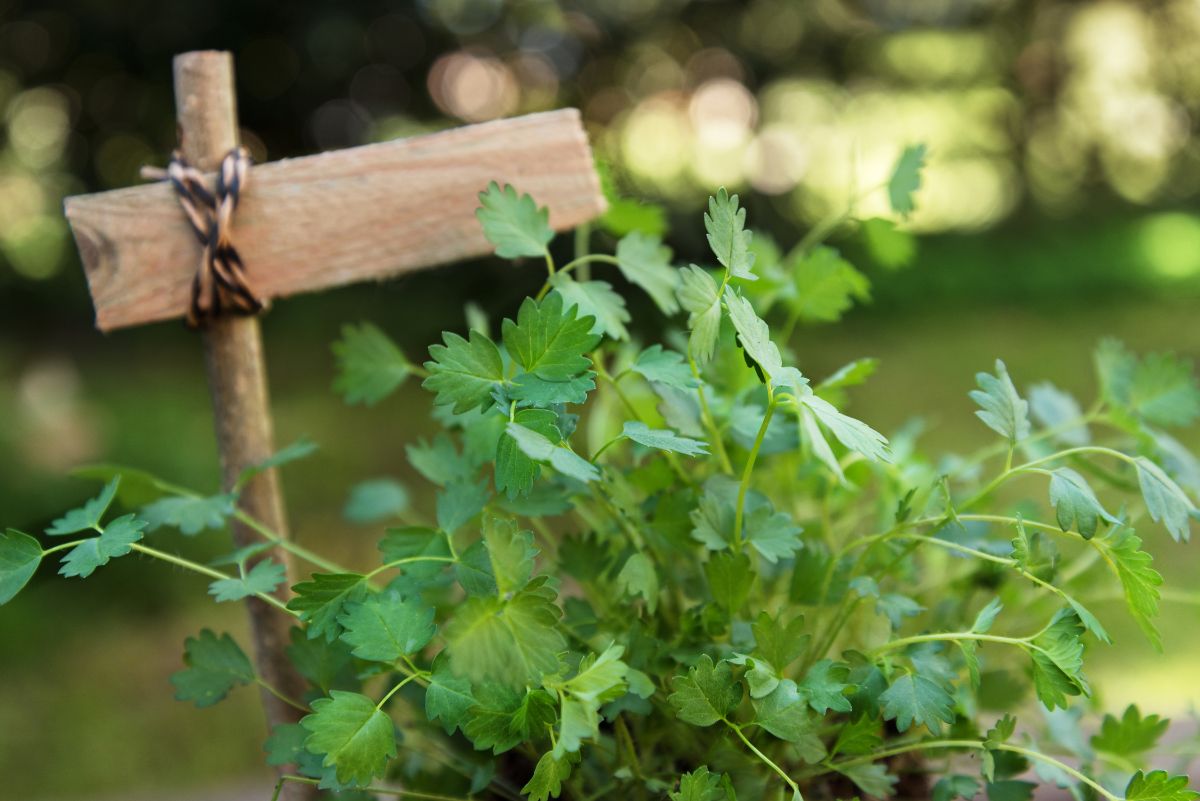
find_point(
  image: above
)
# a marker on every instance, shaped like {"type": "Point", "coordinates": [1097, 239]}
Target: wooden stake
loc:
{"type": "Point", "coordinates": [207, 113]}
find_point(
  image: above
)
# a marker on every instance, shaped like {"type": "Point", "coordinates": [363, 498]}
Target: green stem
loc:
{"type": "Point", "coordinates": [187, 564]}
{"type": "Point", "coordinates": [408, 561]}
{"type": "Point", "coordinates": [292, 702]}
{"type": "Point", "coordinates": [606, 446]}
{"type": "Point", "coordinates": [953, 636]}
{"type": "Point", "coordinates": [288, 545]}
{"type": "Point", "coordinates": [61, 547]}
{"type": "Point", "coordinates": [796, 795]}
{"type": "Point", "coordinates": [571, 265]}
{"type": "Point", "coordinates": [396, 689]}
{"type": "Point", "coordinates": [749, 468]}
{"type": "Point", "coordinates": [1028, 466]}
{"type": "Point", "coordinates": [709, 421]}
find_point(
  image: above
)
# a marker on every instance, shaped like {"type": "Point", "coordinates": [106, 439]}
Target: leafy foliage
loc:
{"type": "Point", "coordinates": [644, 560]}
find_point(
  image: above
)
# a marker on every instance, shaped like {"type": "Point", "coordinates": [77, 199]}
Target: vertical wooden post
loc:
{"type": "Point", "coordinates": [206, 110]}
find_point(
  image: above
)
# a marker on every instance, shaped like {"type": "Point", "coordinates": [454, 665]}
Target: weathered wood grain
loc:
{"type": "Point", "coordinates": [336, 218]}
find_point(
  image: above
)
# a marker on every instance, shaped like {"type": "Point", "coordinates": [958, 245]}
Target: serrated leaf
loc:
{"type": "Point", "coordinates": [439, 460]}
{"type": "Point", "coordinates": [730, 578]}
{"type": "Point", "coordinates": [463, 373]}
{"type": "Point", "coordinates": [325, 664]}
{"type": "Point", "coordinates": [1122, 549]}
{"type": "Point", "coordinates": [699, 785]}
{"type": "Point", "coordinates": [548, 776]}
{"type": "Point", "coordinates": [1130, 736]}
{"type": "Point", "coordinates": [784, 713]}
{"type": "Point", "coordinates": [115, 540]}
{"type": "Point", "coordinates": [513, 223]}
{"type": "Point", "coordinates": [779, 644]}
{"type": "Point", "coordinates": [354, 736]}
{"type": "Point", "coordinates": [87, 516]}
{"type": "Point", "coordinates": [706, 694]}
{"type": "Point", "coordinates": [825, 286]}
{"type": "Point", "coordinates": [513, 642]}
{"type": "Point", "coordinates": [854, 434]}
{"type": "Point", "coordinates": [549, 340]}
{"type": "Point", "coordinates": [906, 179]}
{"type": "Point", "coordinates": [639, 578]}
{"type": "Point", "coordinates": [323, 599]}
{"type": "Point", "coordinates": [1001, 408]}
{"type": "Point", "coordinates": [191, 515]}
{"type": "Point", "coordinates": [20, 555]}
{"type": "Point", "coordinates": [540, 449]}
{"type": "Point", "coordinates": [1075, 505]}
{"type": "Point", "coordinates": [264, 577]}
{"type": "Point", "coordinates": [1158, 785]}
{"type": "Point", "coordinates": [1165, 501]}
{"type": "Point", "coordinates": [1034, 552]}
{"type": "Point", "coordinates": [1057, 658]}
{"type": "Point", "coordinates": [510, 552]}
{"type": "Point", "coordinates": [987, 616]}
{"type": "Point", "coordinates": [384, 628]}
{"type": "Point", "coordinates": [917, 699]}
{"type": "Point", "coordinates": [300, 449]}
{"type": "Point", "coordinates": [375, 500]}
{"type": "Point", "coordinates": [825, 685]}
{"type": "Point", "coordinates": [1055, 409]}
{"type": "Point", "coordinates": [1115, 366]}
{"type": "Point", "coordinates": [700, 297]}
{"type": "Point", "coordinates": [872, 778]}
{"type": "Point", "coordinates": [727, 236]}
{"type": "Point", "coordinates": [515, 472]}
{"type": "Point", "coordinates": [370, 366]}
{"type": "Point", "coordinates": [599, 679]}
{"type": "Point", "coordinates": [412, 542]}
{"type": "Point", "coordinates": [890, 247]}
{"type": "Point", "coordinates": [754, 336]}
{"type": "Point", "coordinates": [858, 736]}
{"type": "Point", "coordinates": [1163, 390]}
{"type": "Point", "coordinates": [646, 262]}
{"type": "Point", "coordinates": [595, 299]}
{"type": "Point", "coordinates": [663, 440]}
{"type": "Point", "coordinates": [459, 502]}
{"type": "Point", "coordinates": [773, 534]}
{"type": "Point", "coordinates": [504, 717]}
{"type": "Point", "coordinates": [215, 665]}
{"type": "Point", "coordinates": [529, 389]}
{"type": "Point", "coordinates": [448, 697]}
{"type": "Point", "coordinates": [955, 786]}
{"type": "Point", "coordinates": [664, 367]}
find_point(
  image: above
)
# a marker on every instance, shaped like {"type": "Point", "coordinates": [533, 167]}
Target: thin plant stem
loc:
{"type": "Point", "coordinates": [195, 567]}
{"type": "Point", "coordinates": [395, 791]}
{"type": "Point", "coordinates": [292, 702]}
{"type": "Point", "coordinates": [709, 421]}
{"type": "Point", "coordinates": [796, 795]}
{"type": "Point", "coordinates": [744, 486]}
{"type": "Point", "coordinates": [408, 561]}
{"type": "Point", "coordinates": [287, 545]}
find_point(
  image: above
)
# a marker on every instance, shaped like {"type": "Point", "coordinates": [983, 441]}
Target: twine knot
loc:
{"type": "Point", "coordinates": [220, 285]}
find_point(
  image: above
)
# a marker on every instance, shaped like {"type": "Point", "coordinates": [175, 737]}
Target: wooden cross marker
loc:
{"type": "Point", "coordinates": [303, 225]}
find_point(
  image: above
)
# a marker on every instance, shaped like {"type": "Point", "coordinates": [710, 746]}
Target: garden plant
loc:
{"type": "Point", "coordinates": [682, 570]}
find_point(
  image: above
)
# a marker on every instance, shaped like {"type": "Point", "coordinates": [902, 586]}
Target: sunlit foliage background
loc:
{"type": "Point", "coordinates": [1059, 204]}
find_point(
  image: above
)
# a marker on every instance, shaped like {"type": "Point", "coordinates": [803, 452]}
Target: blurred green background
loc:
{"type": "Point", "coordinates": [1059, 205]}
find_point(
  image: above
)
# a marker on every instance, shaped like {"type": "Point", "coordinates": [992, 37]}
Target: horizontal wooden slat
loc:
{"type": "Point", "coordinates": [335, 218]}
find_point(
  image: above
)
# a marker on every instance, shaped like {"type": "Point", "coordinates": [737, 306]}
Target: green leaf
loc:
{"type": "Point", "coordinates": [599, 679]}
{"type": "Point", "coordinates": [854, 434]}
{"type": "Point", "coordinates": [1055, 409]}
{"type": "Point", "coordinates": [826, 286]}
{"type": "Point", "coordinates": [137, 487]}
{"type": "Point", "coordinates": [700, 297]}
{"type": "Point", "coordinates": [215, 665]}
{"type": "Point", "coordinates": [1115, 366]}
{"type": "Point", "coordinates": [540, 449]}
{"type": "Point", "coordinates": [384, 628]}
{"type": "Point", "coordinates": [1010, 790]}
{"type": "Point", "coordinates": [773, 534]}
{"type": "Point", "coordinates": [1075, 504]}
{"type": "Point", "coordinates": [1163, 390]}
{"type": "Point", "coordinates": [638, 577]}
{"type": "Point", "coordinates": [354, 736]}
{"type": "Point", "coordinates": [784, 713]}
{"type": "Point", "coordinates": [890, 247]}
{"type": "Point", "coordinates": [906, 179]}
{"type": "Point", "coordinates": [504, 717]}
{"type": "Point", "coordinates": [1001, 408]}
{"type": "Point", "coordinates": [730, 577]}
{"type": "Point", "coordinates": [754, 336]}
{"type": "Point", "coordinates": [1132, 735]}
{"type": "Point", "coordinates": [300, 449]}
{"type": "Point", "coordinates": [706, 694]}
{"type": "Point", "coordinates": [459, 502]}
{"type": "Point", "coordinates": [779, 644]}
{"type": "Point", "coordinates": [1158, 785]}
{"type": "Point", "coordinates": [324, 598]}
{"type": "Point", "coordinates": [514, 224]}
{"type": "Point", "coordinates": [858, 736]}
{"type": "Point", "coordinates": [370, 366]}
{"type": "Point", "coordinates": [595, 299]}
{"type": "Point", "coordinates": [825, 685]}
{"type": "Point", "coordinates": [448, 697]}
{"type": "Point", "coordinates": [1058, 661]}
{"type": "Point", "coordinates": [872, 778]}
{"type": "Point", "coordinates": [528, 389]}
{"type": "Point", "coordinates": [511, 554]}
{"type": "Point", "coordinates": [513, 642]}
{"type": "Point", "coordinates": [515, 472]}
{"type": "Point", "coordinates": [548, 340]}
{"type": "Point", "coordinates": [1034, 552]}
{"type": "Point", "coordinates": [415, 541]}
{"type": "Point", "coordinates": [264, 577]}
{"type": "Point", "coordinates": [1165, 501]}
{"type": "Point", "coordinates": [463, 373]}
{"type": "Point", "coordinates": [646, 262]}
{"type": "Point", "coordinates": [548, 776]}
{"type": "Point", "coordinates": [20, 555]}
{"type": "Point", "coordinates": [664, 367]}
{"type": "Point", "coordinates": [663, 440]}
{"type": "Point", "coordinates": [325, 664]}
{"type": "Point", "coordinates": [699, 785]}
{"type": "Point", "coordinates": [86, 516]}
{"type": "Point", "coordinates": [917, 699]}
{"type": "Point", "coordinates": [439, 461]}
{"type": "Point", "coordinates": [725, 223]}
{"type": "Point", "coordinates": [375, 500]}
{"type": "Point", "coordinates": [955, 786]}
{"type": "Point", "coordinates": [114, 541]}
{"type": "Point", "coordinates": [1122, 549]}
{"type": "Point", "coordinates": [190, 515]}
